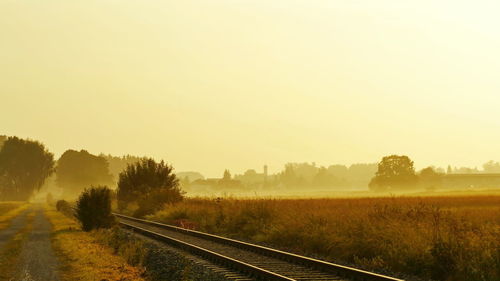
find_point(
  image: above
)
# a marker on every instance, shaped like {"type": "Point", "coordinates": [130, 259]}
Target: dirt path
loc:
{"type": "Point", "coordinates": [15, 226]}
{"type": "Point", "coordinates": [38, 262]}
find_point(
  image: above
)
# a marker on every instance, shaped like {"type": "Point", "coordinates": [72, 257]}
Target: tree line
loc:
{"type": "Point", "coordinates": [25, 165]}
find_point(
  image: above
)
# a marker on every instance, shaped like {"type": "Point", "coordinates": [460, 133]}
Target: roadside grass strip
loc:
{"type": "Point", "coordinates": [82, 257]}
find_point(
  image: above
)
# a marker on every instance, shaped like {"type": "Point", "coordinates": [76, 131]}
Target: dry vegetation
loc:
{"type": "Point", "coordinates": [9, 210]}
{"type": "Point", "coordinates": [443, 238]}
{"type": "Point", "coordinates": [81, 255]}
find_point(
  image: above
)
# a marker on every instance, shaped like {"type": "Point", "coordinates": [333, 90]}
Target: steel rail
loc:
{"type": "Point", "coordinates": [218, 258]}
{"type": "Point", "coordinates": [340, 270]}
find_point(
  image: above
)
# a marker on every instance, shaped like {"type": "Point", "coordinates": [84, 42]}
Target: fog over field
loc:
{"type": "Point", "coordinates": [225, 85]}
{"type": "Point", "coordinates": [364, 134]}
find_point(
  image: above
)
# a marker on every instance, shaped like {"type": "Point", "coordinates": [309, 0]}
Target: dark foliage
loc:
{"type": "Point", "coordinates": [93, 208]}
{"type": "Point", "coordinates": [2, 140]}
{"type": "Point", "coordinates": [64, 207]}
{"type": "Point", "coordinates": [77, 170]}
{"type": "Point", "coordinates": [24, 167]}
{"type": "Point", "coordinates": [150, 184]}
{"type": "Point", "coordinates": [62, 204]}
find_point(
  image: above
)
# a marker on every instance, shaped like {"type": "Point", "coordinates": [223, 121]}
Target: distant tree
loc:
{"type": "Point", "coordinates": [429, 178]}
{"type": "Point", "coordinates": [228, 181]}
{"type": "Point", "coordinates": [465, 170]}
{"type": "Point", "coordinates": [491, 167]}
{"type": "Point", "coordinates": [93, 208]}
{"type": "Point", "coordinates": [394, 172]}
{"type": "Point", "coordinates": [2, 140]}
{"type": "Point", "coordinates": [340, 171]}
{"type": "Point", "coordinates": [77, 170]}
{"type": "Point", "coordinates": [226, 176]}
{"type": "Point", "coordinates": [190, 176]}
{"type": "Point", "coordinates": [149, 184]}
{"type": "Point", "coordinates": [298, 174]}
{"type": "Point", "coordinates": [324, 178]}
{"type": "Point", "coordinates": [449, 170]}
{"type": "Point", "coordinates": [24, 167]}
{"type": "Point", "coordinates": [118, 164]}
{"type": "Point", "coordinates": [360, 174]}
{"type": "Point", "coordinates": [288, 176]}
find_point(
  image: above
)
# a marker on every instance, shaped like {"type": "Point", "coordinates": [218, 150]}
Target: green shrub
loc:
{"type": "Point", "coordinates": [93, 208]}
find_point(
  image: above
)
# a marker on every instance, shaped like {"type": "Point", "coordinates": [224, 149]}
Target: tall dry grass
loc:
{"type": "Point", "coordinates": [440, 238]}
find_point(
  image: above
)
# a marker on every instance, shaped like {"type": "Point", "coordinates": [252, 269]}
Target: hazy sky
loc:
{"type": "Point", "coordinates": [209, 85]}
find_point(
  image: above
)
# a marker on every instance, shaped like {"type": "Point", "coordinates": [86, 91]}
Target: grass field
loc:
{"type": "Point", "coordinates": [443, 238]}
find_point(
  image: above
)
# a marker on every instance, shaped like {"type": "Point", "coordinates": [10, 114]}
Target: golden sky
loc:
{"type": "Point", "coordinates": [215, 84]}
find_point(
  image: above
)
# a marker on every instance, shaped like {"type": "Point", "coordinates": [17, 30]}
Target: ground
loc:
{"type": "Point", "coordinates": [38, 243]}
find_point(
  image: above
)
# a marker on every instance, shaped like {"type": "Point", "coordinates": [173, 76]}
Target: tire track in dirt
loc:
{"type": "Point", "coordinates": [14, 227]}
{"type": "Point", "coordinates": [38, 262]}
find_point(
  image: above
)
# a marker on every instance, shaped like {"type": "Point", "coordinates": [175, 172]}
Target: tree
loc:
{"type": "Point", "coordinates": [93, 208]}
{"type": "Point", "coordinates": [491, 167]}
{"type": "Point", "coordinates": [324, 178]}
{"type": "Point", "coordinates": [24, 167]}
{"type": "Point", "coordinates": [429, 178]}
{"type": "Point", "coordinates": [118, 164]}
{"type": "Point", "coordinates": [2, 140]}
{"type": "Point", "coordinates": [449, 170]}
{"type": "Point", "coordinates": [149, 184]}
{"type": "Point", "coordinates": [77, 170]}
{"type": "Point", "coordinates": [394, 172]}
{"type": "Point", "coordinates": [226, 176]}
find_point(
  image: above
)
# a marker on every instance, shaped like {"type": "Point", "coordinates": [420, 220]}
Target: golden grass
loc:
{"type": "Point", "coordinates": [444, 238]}
{"type": "Point", "coordinates": [82, 257]}
{"type": "Point", "coordinates": [10, 210]}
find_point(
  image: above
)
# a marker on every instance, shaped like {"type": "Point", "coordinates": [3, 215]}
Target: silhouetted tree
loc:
{"type": "Point", "coordinates": [394, 172]}
{"type": "Point", "coordinates": [93, 208]}
{"type": "Point", "coordinates": [77, 170]}
{"type": "Point", "coordinates": [24, 167]}
{"type": "Point", "coordinates": [149, 184]}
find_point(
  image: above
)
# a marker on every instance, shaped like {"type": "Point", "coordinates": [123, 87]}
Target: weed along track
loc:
{"type": "Point", "coordinates": [257, 262]}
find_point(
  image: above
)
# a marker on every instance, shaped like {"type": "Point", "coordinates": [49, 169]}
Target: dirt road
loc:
{"type": "Point", "coordinates": [15, 226]}
{"type": "Point", "coordinates": [37, 261]}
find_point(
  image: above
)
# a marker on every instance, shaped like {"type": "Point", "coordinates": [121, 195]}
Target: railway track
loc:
{"type": "Point", "coordinates": [256, 262]}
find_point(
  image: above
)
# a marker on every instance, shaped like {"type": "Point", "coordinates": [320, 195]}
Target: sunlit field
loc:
{"type": "Point", "coordinates": [441, 237]}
